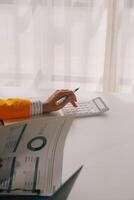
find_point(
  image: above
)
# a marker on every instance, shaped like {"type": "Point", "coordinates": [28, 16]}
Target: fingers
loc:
{"type": "Point", "coordinates": [55, 101]}
{"type": "Point", "coordinates": [70, 99]}
{"type": "Point", "coordinates": [73, 103]}
{"type": "Point", "coordinates": [65, 93]}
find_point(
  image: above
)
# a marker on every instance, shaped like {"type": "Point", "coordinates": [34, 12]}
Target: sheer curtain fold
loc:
{"type": "Point", "coordinates": [111, 69]}
{"type": "Point", "coordinates": [67, 43]}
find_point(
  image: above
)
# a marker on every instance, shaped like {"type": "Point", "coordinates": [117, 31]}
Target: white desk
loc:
{"type": "Point", "coordinates": [104, 144]}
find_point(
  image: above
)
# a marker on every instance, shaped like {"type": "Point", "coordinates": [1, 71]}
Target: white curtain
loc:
{"type": "Point", "coordinates": [67, 44]}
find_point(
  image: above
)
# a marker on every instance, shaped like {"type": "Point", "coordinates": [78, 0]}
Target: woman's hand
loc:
{"type": "Point", "coordinates": [52, 102]}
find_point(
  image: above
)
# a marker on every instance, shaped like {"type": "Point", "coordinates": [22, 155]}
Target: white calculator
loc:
{"type": "Point", "coordinates": [93, 107]}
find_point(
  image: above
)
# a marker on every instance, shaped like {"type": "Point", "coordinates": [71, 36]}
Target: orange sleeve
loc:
{"type": "Point", "coordinates": [14, 108]}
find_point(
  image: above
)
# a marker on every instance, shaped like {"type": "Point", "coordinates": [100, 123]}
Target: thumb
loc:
{"type": "Point", "coordinates": [62, 104]}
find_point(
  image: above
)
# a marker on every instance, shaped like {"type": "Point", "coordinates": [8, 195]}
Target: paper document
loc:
{"type": "Point", "coordinates": [33, 152]}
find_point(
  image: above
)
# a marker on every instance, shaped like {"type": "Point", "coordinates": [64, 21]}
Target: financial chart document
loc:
{"type": "Point", "coordinates": [31, 150]}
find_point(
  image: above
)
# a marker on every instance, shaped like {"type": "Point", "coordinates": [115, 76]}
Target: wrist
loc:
{"type": "Point", "coordinates": [44, 107]}
{"type": "Point", "coordinates": [36, 108]}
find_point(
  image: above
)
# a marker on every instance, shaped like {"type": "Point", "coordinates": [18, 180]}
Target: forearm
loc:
{"type": "Point", "coordinates": [22, 108]}
{"type": "Point", "coordinates": [15, 108]}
